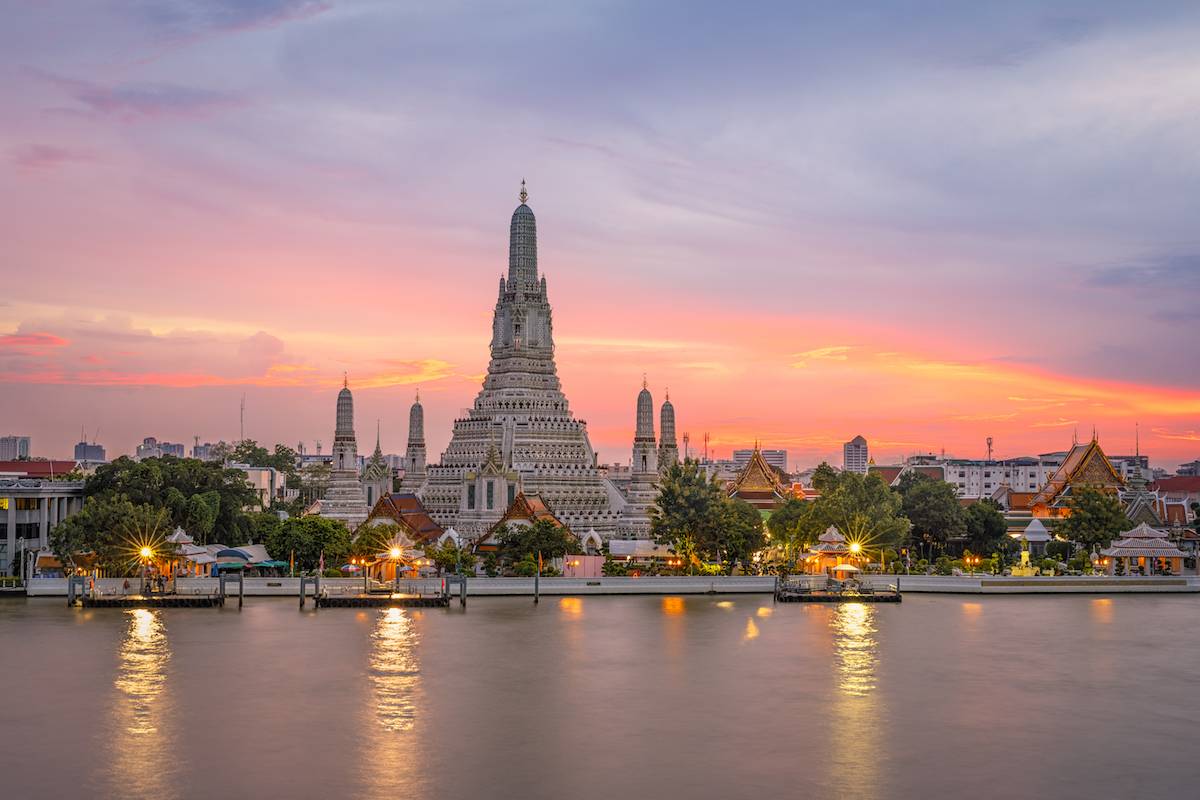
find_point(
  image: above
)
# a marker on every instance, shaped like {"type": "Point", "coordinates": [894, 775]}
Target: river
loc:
{"type": "Point", "coordinates": [605, 697]}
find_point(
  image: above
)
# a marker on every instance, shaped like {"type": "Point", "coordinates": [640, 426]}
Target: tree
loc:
{"type": "Point", "coordinates": [985, 525]}
{"type": "Point", "coordinates": [789, 530]}
{"type": "Point", "coordinates": [863, 508]}
{"type": "Point", "coordinates": [689, 510]}
{"type": "Point", "coordinates": [543, 536]}
{"type": "Point", "coordinates": [824, 477]}
{"type": "Point", "coordinates": [309, 537]}
{"type": "Point", "coordinates": [113, 530]}
{"type": "Point", "coordinates": [933, 509]}
{"type": "Point", "coordinates": [1094, 517]}
{"type": "Point", "coordinates": [448, 557]}
{"type": "Point", "coordinates": [172, 483]}
{"type": "Point", "coordinates": [740, 534]}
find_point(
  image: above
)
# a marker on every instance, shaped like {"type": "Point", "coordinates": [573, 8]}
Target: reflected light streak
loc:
{"type": "Point", "coordinates": [673, 606]}
{"type": "Point", "coordinates": [854, 644]}
{"type": "Point", "coordinates": [1102, 610]}
{"type": "Point", "coordinates": [751, 630]}
{"type": "Point", "coordinates": [142, 732]}
{"type": "Point", "coordinates": [394, 673]}
{"type": "Point", "coordinates": [856, 720]}
{"type": "Point", "coordinates": [571, 606]}
{"type": "Point", "coordinates": [765, 611]}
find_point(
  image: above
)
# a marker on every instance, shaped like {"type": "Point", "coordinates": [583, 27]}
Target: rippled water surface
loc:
{"type": "Point", "coordinates": [605, 697]}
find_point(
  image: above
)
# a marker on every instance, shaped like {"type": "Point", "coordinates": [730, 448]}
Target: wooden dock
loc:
{"type": "Point", "coordinates": [376, 600]}
{"type": "Point", "coordinates": [793, 596]}
{"type": "Point", "coordinates": [154, 601]}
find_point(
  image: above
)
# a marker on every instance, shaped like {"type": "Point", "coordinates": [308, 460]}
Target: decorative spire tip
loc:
{"type": "Point", "coordinates": [524, 194]}
{"type": "Point", "coordinates": [345, 380]}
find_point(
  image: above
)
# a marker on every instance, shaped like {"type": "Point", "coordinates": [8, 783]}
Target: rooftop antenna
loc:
{"type": "Point", "coordinates": [706, 446]}
{"type": "Point", "coordinates": [989, 446]}
{"type": "Point", "coordinates": [686, 438]}
{"type": "Point", "coordinates": [242, 420]}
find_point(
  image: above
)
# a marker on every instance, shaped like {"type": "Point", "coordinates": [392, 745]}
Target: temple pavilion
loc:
{"type": "Point", "coordinates": [759, 484]}
{"type": "Point", "coordinates": [830, 551]}
{"type": "Point", "coordinates": [1144, 551]}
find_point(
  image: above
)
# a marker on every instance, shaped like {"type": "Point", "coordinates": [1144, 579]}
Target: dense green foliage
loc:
{"type": "Point", "coordinates": [206, 499]}
{"type": "Point", "coordinates": [309, 537]}
{"type": "Point", "coordinates": [112, 530]}
{"type": "Point", "coordinates": [1095, 517]}
{"type": "Point", "coordinates": [933, 509]}
{"type": "Point", "coordinates": [518, 542]}
{"type": "Point", "coordinates": [695, 517]}
{"type": "Point", "coordinates": [986, 529]}
{"type": "Point", "coordinates": [448, 558]}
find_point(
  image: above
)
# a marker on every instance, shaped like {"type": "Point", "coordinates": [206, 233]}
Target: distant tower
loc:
{"type": "Point", "coordinates": [344, 499]}
{"type": "Point", "coordinates": [668, 451]}
{"type": "Point", "coordinates": [635, 519]}
{"type": "Point", "coordinates": [414, 456]}
{"type": "Point", "coordinates": [645, 459]}
{"type": "Point", "coordinates": [376, 473]}
{"type": "Point", "coordinates": [706, 446]}
{"type": "Point", "coordinates": [989, 446]}
{"type": "Point", "coordinates": [686, 440]}
{"type": "Point", "coordinates": [855, 457]}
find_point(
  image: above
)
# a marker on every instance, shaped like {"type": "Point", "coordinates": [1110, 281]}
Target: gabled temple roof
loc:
{"type": "Point", "coordinates": [407, 510]}
{"type": "Point", "coordinates": [1085, 463]}
{"type": "Point", "coordinates": [758, 477]}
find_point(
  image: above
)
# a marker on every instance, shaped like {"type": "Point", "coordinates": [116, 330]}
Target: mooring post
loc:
{"type": "Point", "coordinates": [241, 589]}
{"type": "Point", "coordinates": [462, 592]}
{"type": "Point", "coordinates": [537, 578]}
{"type": "Point", "coordinates": [302, 579]}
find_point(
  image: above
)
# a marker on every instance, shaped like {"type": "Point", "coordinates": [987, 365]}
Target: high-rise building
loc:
{"type": "Point", "coordinates": [775, 458]}
{"type": "Point", "coordinates": [520, 431]}
{"type": "Point", "coordinates": [14, 447]}
{"type": "Point", "coordinates": [90, 453]}
{"type": "Point", "coordinates": [855, 456]}
{"type": "Point", "coordinates": [152, 448]}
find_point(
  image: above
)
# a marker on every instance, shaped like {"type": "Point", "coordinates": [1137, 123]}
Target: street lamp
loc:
{"type": "Point", "coordinates": [395, 554]}
{"type": "Point", "coordinates": [145, 554]}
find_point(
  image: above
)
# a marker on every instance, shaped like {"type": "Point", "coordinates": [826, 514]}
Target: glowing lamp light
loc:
{"type": "Point", "coordinates": [394, 552]}
{"type": "Point", "coordinates": [855, 547]}
{"type": "Point", "coordinates": [146, 552]}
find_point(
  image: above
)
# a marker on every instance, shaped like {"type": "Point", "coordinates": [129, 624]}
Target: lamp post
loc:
{"type": "Point", "coordinates": [395, 554]}
{"type": "Point", "coordinates": [145, 554]}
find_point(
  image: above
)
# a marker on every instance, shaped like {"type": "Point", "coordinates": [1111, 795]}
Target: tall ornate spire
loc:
{"type": "Point", "coordinates": [522, 247]}
{"type": "Point", "coordinates": [414, 455]}
{"type": "Point", "coordinates": [668, 449]}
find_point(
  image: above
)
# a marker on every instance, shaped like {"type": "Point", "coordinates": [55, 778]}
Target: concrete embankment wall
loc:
{"type": "Point", "coordinates": [500, 587]}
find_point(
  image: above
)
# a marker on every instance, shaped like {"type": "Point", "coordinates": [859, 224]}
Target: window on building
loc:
{"type": "Point", "coordinates": [27, 504]}
{"type": "Point", "coordinates": [491, 494]}
{"type": "Point", "coordinates": [471, 496]}
{"type": "Point", "coordinates": [512, 493]}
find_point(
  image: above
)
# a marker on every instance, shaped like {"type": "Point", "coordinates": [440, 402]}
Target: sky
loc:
{"type": "Point", "coordinates": [924, 222]}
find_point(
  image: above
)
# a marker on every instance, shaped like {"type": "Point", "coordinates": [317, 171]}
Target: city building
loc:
{"type": "Point", "coordinates": [209, 451]}
{"type": "Point", "coordinates": [344, 498]}
{"type": "Point", "coordinates": [776, 458]}
{"type": "Point", "coordinates": [520, 430]}
{"type": "Point", "coordinates": [152, 448]}
{"type": "Point", "coordinates": [15, 447]}
{"type": "Point", "coordinates": [30, 508]}
{"type": "Point", "coordinates": [266, 482]}
{"type": "Point", "coordinates": [90, 454]}
{"type": "Point", "coordinates": [855, 457]}
{"type": "Point", "coordinates": [37, 468]}
{"type": "Point", "coordinates": [1190, 469]}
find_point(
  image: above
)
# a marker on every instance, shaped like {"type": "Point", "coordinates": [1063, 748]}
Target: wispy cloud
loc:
{"type": "Point", "coordinates": [839, 352]}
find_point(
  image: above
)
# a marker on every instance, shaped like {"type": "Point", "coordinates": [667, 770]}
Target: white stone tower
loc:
{"type": "Point", "coordinates": [344, 500]}
{"type": "Point", "coordinates": [414, 455]}
{"type": "Point", "coordinates": [668, 450]}
{"type": "Point", "coordinates": [642, 492]}
{"type": "Point", "coordinates": [520, 435]}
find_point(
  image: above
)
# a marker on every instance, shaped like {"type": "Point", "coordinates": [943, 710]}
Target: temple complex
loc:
{"type": "Point", "coordinates": [376, 474]}
{"type": "Point", "coordinates": [414, 454]}
{"type": "Point", "coordinates": [520, 434]}
{"type": "Point", "coordinates": [344, 499]}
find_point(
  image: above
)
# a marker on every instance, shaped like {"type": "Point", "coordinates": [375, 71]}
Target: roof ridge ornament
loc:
{"type": "Point", "coordinates": [524, 194]}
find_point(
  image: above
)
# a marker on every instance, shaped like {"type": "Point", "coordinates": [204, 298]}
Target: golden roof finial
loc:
{"type": "Point", "coordinates": [345, 380]}
{"type": "Point", "coordinates": [524, 194]}
{"type": "Point", "coordinates": [418, 394]}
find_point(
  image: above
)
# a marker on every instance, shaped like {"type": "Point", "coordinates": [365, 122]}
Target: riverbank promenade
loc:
{"type": "Point", "coordinates": [675, 585]}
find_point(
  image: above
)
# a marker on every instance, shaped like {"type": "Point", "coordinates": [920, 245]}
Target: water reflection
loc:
{"type": "Point", "coordinates": [672, 606]}
{"type": "Point", "coordinates": [142, 717]}
{"type": "Point", "coordinates": [1102, 610]}
{"type": "Point", "coordinates": [854, 643]}
{"type": "Point", "coordinates": [751, 629]}
{"type": "Point", "coordinates": [857, 715]}
{"type": "Point", "coordinates": [571, 606]}
{"type": "Point", "coordinates": [394, 673]}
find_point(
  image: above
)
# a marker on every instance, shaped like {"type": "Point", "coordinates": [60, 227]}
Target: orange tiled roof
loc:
{"type": "Point", "coordinates": [407, 510]}
{"type": "Point", "coordinates": [1084, 463]}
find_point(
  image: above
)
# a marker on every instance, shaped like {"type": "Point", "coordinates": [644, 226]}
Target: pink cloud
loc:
{"type": "Point", "coordinates": [27, 340]}
{"type": "Point", "coordinates": [45, 156]}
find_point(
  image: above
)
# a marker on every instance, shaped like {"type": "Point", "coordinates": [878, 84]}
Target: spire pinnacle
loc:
{"type": "Point", "coordinates": [524, 194]}
{"type": "Point", "coordinates": [377, 426]}
{"type": "Point", "coordinates": [418, 394]}
{"type": "Point", "coordinates": [667, 392]}
{"type": "Point", "coordinates": [345, 380]}
{"type": "Point", "coordinates": [644, 386]}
